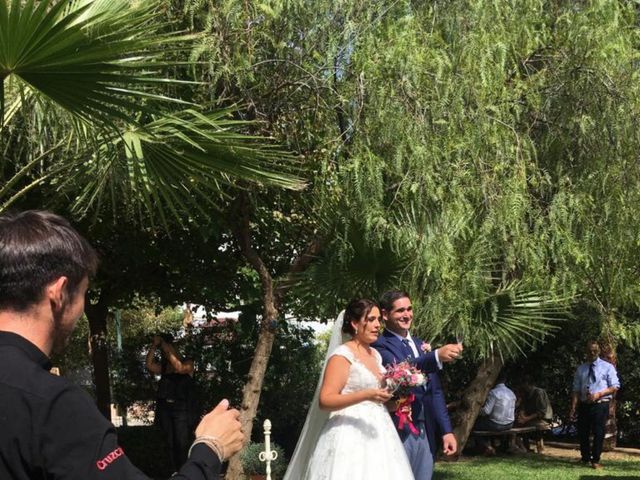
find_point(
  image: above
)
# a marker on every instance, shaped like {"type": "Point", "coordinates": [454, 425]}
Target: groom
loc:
{"type": "Point", "coordinates": [429, 409]}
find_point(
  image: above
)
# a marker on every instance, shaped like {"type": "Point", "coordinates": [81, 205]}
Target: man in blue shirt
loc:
{"type": "Point", "coordinates": [594, 385]}
{"type": "Point", "coordinates": [497, 413]}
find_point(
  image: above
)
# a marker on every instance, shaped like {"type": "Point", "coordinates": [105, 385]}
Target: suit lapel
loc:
{"type": "Point", "coordinates": [394, 345]}
{"type": "Point", "coordinates": [418, 343]}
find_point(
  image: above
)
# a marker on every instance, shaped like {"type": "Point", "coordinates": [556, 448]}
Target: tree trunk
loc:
{"type": "Point", "coordinates": [611, 429]}
{"type": "Point", "coordinates": [271, 298]}
{"type": "Point", "coordinates": [473, 398]}
{"type": "Point", "coordinates": [97, 315]}
{"type": "Point", "coordinates": [252, 390]}
{"type": "Point", "coordinates": [253, 387]}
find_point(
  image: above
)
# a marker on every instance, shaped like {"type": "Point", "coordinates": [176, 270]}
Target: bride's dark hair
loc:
{"type": "Point", "coordinates": [356, 309]}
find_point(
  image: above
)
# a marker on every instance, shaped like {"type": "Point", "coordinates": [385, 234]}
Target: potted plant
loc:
{"type": "Point", "coordinates": [257, 470]}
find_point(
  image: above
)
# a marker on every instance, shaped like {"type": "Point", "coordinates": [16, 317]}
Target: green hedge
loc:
{"type": "Point", "coordinates": [252, 465]}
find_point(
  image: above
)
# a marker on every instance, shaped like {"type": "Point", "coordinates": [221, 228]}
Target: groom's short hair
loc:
{"type": "Point", "coordinates": [389, 297]}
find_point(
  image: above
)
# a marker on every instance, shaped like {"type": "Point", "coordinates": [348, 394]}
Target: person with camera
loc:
{"type": "Point", "coordinates": [174, 397]}
{"type": "Point", "coordinates": [50, 427]}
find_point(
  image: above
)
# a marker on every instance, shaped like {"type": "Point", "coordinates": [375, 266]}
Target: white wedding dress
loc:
{"type": "Point", "coordinates": [359, 442]}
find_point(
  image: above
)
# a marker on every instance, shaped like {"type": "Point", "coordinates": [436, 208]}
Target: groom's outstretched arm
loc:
{"type": "Point", "coordinates": [446, 353]}
{"type": "Point", "coordinates": [427, 362]}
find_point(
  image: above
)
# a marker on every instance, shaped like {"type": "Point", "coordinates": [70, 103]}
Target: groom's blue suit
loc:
{"type": "Point", "coordinates": [429, 404]}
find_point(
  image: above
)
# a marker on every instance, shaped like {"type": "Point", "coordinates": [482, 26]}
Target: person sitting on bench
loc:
{"type": "Point", "coordinates": [497, 413]}
{"type": "Point", "coordinates": [535, 409]}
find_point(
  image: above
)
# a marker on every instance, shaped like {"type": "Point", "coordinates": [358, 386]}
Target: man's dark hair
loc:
{"type": "Point", "coordinates": [524, 382]}
{"type": "Point", "coordinates": [36, 248]}
{"type": "Point", "coordinates": [389, 297]}
{"type": "Point", "coordinates": [526, 379]}
{"type": "Point", "coordinates": [502, 378]}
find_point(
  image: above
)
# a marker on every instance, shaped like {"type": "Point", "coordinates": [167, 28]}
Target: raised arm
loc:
{"type": "Point", "coordinates": [431, 362]}
{"type": "Point", "coordinates": [427, 362]}
{"type": "Point", "coordinates": [152, 364]}
{"type": "Point", "coordinates": [184, 367]}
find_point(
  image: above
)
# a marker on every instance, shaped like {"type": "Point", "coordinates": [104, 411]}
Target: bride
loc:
{"type": "Point", "coordinates": [348, 433]}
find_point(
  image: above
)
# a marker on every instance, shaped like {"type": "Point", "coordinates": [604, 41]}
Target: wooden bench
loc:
{"type": "Point", "coordinates": [511, 434]}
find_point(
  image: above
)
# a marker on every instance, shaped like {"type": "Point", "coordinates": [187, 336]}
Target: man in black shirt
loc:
{"type": "Point", "coordinates": [49, 427]}
{"type": "Point", "coordinates": [174, 396]}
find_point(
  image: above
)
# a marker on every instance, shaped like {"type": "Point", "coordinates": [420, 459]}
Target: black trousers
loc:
{"type": "Point", "coordinates": [173, 420]}
{"type": "Point", "coordinates": [591, 419]}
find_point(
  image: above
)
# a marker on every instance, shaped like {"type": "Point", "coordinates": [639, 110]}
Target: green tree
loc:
{"type": "Point", "coordinates": [89, 115]}
{"type": "Point", "coordinates": [447, 135]}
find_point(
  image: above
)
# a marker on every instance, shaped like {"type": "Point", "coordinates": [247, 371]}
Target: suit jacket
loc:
{"type": "Point", "coordinates": [429, 401]}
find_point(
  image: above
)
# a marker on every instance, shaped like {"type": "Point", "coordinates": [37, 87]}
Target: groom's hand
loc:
{"type": "Point", "coordinates": [449, 444]}
{"type": "Point", "coordinates": [448, 353]}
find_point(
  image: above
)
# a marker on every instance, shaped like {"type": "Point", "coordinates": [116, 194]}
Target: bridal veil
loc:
{"type": "Point", "coordinates": [316, 417]}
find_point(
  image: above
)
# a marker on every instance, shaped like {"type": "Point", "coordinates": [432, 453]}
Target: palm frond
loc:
{"type": "Point", "coordinates": [98, 60]}
{"type": "Point", "coordinates": [510, 321]}
{"type": "Point", "coordinates": [178, 164]}
{"type": "Point", "coordinates": [352, 267]}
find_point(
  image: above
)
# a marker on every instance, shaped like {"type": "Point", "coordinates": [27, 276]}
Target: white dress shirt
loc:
{"type": "Point", "coordinates": [500, 405]}
{"type": "Point", "coordinates": [414, 347]}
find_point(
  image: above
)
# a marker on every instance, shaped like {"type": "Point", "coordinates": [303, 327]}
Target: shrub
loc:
{"type": "Point", "coordinates": [253, 466]}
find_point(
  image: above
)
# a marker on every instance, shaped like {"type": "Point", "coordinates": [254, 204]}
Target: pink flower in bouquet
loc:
{"type": "Point", "coordinates": [403, 377]}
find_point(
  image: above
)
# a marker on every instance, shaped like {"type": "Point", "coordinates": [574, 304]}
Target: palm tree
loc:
{"type": "Point", "coordinates": [86, 105]}
{"type": "Point", "coordinates": [90, 117]}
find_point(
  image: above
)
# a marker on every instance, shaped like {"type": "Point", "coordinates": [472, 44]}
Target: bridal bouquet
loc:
{"type": "Point", "coordinates": [401, 378]}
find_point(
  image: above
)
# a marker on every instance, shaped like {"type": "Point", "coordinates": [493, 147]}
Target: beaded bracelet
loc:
{"type": "Point", "coordinates": [212, 442]}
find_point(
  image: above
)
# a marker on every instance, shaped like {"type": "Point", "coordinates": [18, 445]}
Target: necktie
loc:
{"type": "Point", "coordinates": [591, 378]}
{"type": "Point", "coordinates": [407, 348]}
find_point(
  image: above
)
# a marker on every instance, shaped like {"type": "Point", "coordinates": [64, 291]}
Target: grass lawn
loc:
{"type": "Point", "coordinates": [538, 467]}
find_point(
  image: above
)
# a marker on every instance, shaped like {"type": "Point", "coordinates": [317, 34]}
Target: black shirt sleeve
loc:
{"type": "Point", "coordinates": [78, 443]}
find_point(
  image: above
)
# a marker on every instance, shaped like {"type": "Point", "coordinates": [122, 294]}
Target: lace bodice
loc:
{"type": "Point", "coordinates": [360, 377]}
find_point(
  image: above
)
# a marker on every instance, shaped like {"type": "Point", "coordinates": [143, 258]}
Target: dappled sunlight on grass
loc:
{"type": "Point", "coordinates": [538, 467]}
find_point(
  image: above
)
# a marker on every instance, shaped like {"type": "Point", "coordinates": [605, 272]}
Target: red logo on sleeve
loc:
{"type": "Point", "coordinates": [110, 458]}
